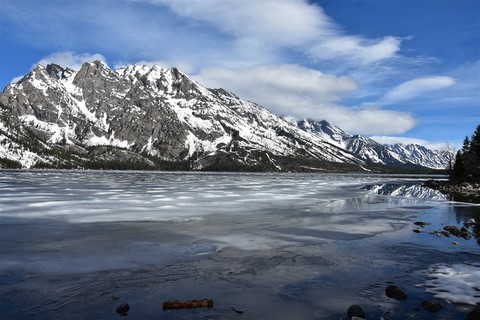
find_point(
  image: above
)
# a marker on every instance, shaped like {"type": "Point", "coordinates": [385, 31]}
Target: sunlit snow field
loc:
{"type": "Point", "coordinates": [74, 245]}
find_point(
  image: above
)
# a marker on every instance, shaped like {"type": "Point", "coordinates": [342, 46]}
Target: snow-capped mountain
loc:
{"type": "Point", "coordinates": [96, 116]}
{"type": "Point", "coordinates": [140, 113]}
{"type": "Point", "coordinates": [420, 155]}
{"type": "Point", "coordinates": [373, 152]}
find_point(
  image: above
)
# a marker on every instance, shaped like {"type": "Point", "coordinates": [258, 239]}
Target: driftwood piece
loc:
{"type": "Point", "coordinates": [175, 305]}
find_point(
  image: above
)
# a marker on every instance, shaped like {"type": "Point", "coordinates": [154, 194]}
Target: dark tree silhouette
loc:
{"type": "Point", "coordinates": [458, 172]}
{"type": "Point", "coordinates": [467, 161]}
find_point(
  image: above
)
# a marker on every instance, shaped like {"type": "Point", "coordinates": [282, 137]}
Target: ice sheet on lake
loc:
{"type": "Point", "coordinates": [305, 245]}
{"type": "Point", "coordinates": [81, 197]}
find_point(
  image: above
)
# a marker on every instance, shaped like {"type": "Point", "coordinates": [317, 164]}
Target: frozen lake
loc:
{"type": "Point", "coordinates": [74, 245]}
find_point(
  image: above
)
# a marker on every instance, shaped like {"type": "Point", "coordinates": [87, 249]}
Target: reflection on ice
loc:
{"type": "Point", "coordinates": [406, 190]}
{"type": "Point", "coordinates": [249, 242]}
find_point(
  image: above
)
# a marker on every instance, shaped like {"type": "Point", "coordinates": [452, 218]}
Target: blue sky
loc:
{"type": "Point", "coordinates": [395, 70]}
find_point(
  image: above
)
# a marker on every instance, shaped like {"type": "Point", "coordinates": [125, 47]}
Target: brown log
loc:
{"type": "Point", "coordinates": [175, 305]}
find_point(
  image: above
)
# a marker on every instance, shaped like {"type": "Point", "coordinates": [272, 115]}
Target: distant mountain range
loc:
{"type": "Point", "coordinates": [373, 152]}
{"type": "Point", "coordinates": [140, 117]}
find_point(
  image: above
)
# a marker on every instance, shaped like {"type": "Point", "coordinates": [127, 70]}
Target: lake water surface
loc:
{"type": "Point", "coordinates": [75, 245]}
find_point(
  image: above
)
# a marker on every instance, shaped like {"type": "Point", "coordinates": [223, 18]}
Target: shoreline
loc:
{"type": "Point", "coordinates": [462, 192]}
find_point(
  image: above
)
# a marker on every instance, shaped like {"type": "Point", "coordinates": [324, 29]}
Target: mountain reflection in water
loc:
{"type": "Point", "coordinates": [462, 213]}
{"type": "Point", "coordinates": [406, 190]}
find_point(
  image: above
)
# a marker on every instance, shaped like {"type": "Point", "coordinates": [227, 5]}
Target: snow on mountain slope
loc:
{"type": "Point", "coordinates": [373, 152]}
{"type": "Point", "coordinates": [420, 155]}
{"type": "Point", "coordinates": [151, 111]}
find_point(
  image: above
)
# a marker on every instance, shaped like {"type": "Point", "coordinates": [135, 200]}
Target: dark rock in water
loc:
{"type": "Point", "coordinates": [418, 230]}
{"type": "Point", "coordinates": [460, 233]}
{"type": "Point", "coordinates": [467, 235]}
{"type": "Point", "coordinates": [123, 308]}
{"type": "Point", "coordinates": [453, 230]}
{"type": "Point", "coordinates": [395, 292]}
{"type": "Point", "coordinates": [432, 305]}
{"type": "Point", "coordinates": [355, 311]}
{"type": "Point", "coordinates": [237, 311]}
{"type": "Point", "coordinates": [474, 314]}
{"type": "Point", "coordinates": [421, 223]}
{"type": "Point", "coordinates": [445, 233]}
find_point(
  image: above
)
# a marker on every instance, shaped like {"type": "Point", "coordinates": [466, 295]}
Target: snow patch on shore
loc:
{"type": "Point", "coordinates": [458, 283]}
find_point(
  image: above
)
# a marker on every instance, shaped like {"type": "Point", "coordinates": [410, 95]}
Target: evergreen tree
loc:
{"type": "Point", "coordinates": [458, 172]}
{"type": "Point", "coordinates": [466, 145]}
{"type": "Point", "coordinates": [475, 142]}
{"type": "Point", "coordinates": [467, 161]}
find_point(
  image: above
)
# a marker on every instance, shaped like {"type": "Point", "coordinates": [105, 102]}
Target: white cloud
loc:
{"type": "Point", "coordinates": [268, 82]}
{"type": "Point", "coordinates": [298, 24]}
{"type": "Point", "coordinates": [416, 88]}
{"type": "Point", "coordinates": [368, 121]}
{"type": "Point", "coordinates": [281, 22]}
{"type": "Point", "coordinates": [357, 49]}
{"type": "Point", "coordinates": [69, 59]}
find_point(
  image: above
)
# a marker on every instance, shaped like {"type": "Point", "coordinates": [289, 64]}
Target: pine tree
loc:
{"type": "Point", "coordinates": [466, 145]}
{"type": "Point", "coordinates": [458, 172]}
{"type": "Point", "coordinates": [467, 161]}
{"type": "Point", "coordinates": [475, 142]}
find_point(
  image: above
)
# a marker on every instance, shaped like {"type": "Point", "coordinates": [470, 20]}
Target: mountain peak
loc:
{"type": "Point", "coordinates": [99, 64]}
{"type": "Point", "coordinates": [57, 72]}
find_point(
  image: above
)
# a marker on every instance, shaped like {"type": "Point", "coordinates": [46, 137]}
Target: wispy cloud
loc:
{"type": "Point", "coordinates": [368, 121]}
{"type": "Point", "coordinates": [262, 82]}
{"type": "Point", "coordinates": [262, 24]}
{"type": "Point", "coordinates": [70, 59]}
{"type": "Point", "coordinates": [356, 49]}
{"type": "Point", "coordinates": [416, 88]}
{"type": "Point", "coordinates": [261, 20]}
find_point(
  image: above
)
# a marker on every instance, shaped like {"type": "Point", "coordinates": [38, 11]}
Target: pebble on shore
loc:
{"type": "Point", "coordinates": [355, 312]}
{"type": "Point", "coordinates": [432, 305]}
{"type": "Point", "coordinates": [123, 308]}
{"type": "Point", "coordinates": [396, 293]}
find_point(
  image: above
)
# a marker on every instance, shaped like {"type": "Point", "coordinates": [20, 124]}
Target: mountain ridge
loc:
{"type": "Point", "coordinates": [59, 117]}
{"type": "Point", "coordinates": [371, 151]}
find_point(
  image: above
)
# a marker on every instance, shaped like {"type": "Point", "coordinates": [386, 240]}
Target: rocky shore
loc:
{"type": "Point", "coordinates": [465, 191]}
